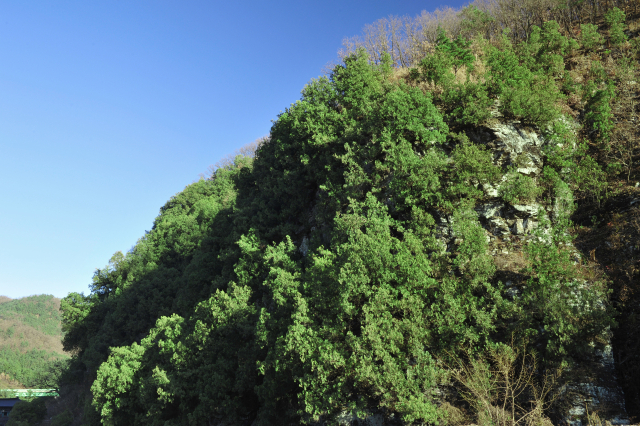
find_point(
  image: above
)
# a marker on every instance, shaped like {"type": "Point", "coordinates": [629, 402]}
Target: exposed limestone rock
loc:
{"type": "Point", "coordinates": [508, 226]}
{"type": "Point", "coordinates": [304, 246]}
{"type": "Point", "coordinates": [346, 418]}
{"type": "Point", "coordinates": [514, 146]}
{"type": "Point", "coordinates": [514, 137]}
{"type": "Point", "coordinates": [528, 170]}
{"type": "Point", "coordinates": [526, 210]}
{"type": "Point", "coordinates": [490, 190]}
{"type": "Point", "coordinates": [490, 210]}
{"type": "Point", "coordinates": [518, 227]}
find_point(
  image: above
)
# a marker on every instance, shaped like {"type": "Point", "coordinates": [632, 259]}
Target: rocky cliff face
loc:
{"type": "Point", "coordinates": [508, 225]}
{"type": "Point", "coordinates": [594, 386]}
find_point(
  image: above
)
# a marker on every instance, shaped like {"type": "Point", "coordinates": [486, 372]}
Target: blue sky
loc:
{"type": "Point", "coordinates": [108, 108]}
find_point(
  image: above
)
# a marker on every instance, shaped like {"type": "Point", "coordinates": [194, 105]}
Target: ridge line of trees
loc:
{"type": "Point", "coordinates": [409, 39]}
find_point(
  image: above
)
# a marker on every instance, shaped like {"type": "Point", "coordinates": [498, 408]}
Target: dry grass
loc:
{"type": "Point", "coordinates": [400, 74]}
{"type": "Point", "coordinates": [7, 382]}
{"type": "Point", "coordinates": [504, 389]}
{"type": "Point", "coordinates": [634, 26]}
{"type": "Point", "coordinates": [511, 261]}
{"type": "Point", "coordinates": [454, 416]}
{"type": "Point", "coordinates": [4, 299]}
{"type": "Point", "coordinates": [24, 333]}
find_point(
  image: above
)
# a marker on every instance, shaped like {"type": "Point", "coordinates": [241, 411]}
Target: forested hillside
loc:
{"type": "Point", "coordinates": [441, 230]}
{"type": "Point", "coordinates": [30, 341]}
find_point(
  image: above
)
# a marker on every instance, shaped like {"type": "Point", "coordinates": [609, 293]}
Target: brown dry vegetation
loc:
{"type": "Point", "coordinates": [25, 338]}
{"type": "Point", "coordinates": [409, 39]}
{"type": "Point", "coordinates": [30, 339]}
{"type": "Point", "coordinates": [7, 382]}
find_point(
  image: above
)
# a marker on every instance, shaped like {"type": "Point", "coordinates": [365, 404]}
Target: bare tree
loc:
{"type": "Point", "coordinates": [228, 162]}
{"type": "Point", "coordinates": [505, 389]}
{"type": "Point", "coordinates": [408, 40]}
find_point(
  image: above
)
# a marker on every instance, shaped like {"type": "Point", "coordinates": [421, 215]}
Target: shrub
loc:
{"type": "Point", "coordinates": [457, 50]}
{"type": "Point", "coordinates": [27, 413]}
{"type": "Point", "coordinates": [468, 103]}
{"type": "Point", "coordinates": [523, 93]}
{"type": "Point", "coordinates": [589, 178]}
{"type": "Point", "coordinates": [615, 19]}
{"type": "Point", "coordinates": [504, 387]}
{"type": "Point", "coordinates": [590, 38]}
{"type": "Point", "coordinates": [545, 49]}
{"type": "Point", "coordinates": [436, 68]}
{"type": "Point", "coordinates": [532, 99]}
{"type": "Point", "coordinates": [568, 161]}
{"type": "Point", "coordinates": [473, 262]}
{"type": "Point", "coordinates": [569, 85]}
{"type": "Point", "coordinates": [565, 314]}
{"type": "Point", "coordinates": [519, 189]}
{"type": "Point", "coordinates": [599, 117]}
{"type": "Point", "coordinates": [63, 419]}
{"type": "Point", "coordinates": [472, 163]}
{"type": "Point", "coordinates": [597, 73]}
{"type": "Point", "coordinates": [475, 21]}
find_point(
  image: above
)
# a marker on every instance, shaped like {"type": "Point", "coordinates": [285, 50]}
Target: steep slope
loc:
{"type": "Point", "coordinates": [399, 248]}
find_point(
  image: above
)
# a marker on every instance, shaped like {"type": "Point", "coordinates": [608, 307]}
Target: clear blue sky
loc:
{"type": "Point", "coordinates": [108, 108]}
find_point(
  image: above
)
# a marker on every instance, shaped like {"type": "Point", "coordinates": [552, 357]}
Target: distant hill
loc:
{"type": "Point", "coordinates": [30, 339]}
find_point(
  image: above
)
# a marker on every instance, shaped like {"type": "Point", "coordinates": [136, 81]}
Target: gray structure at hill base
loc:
{"type": "Point", "coordinates": [6, 405]}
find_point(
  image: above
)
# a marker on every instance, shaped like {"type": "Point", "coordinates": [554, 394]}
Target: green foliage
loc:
{"type": "Point", "coordinates": [40, 312]}
{"type": "Point", "coordinates": [590, 38]}
{"type": "Point", "coordinates": [599, 116]}
{"type": "Point", "coordinates": [471, 165]}
{"type": "Point", "coordinates": [28, 342]}
{"type": "Point", "coordinates": [568, 162]}
{"type": "Point", "coordinates": [546, 48]}
{"type": "Point", "coordinates": [569, 86]}
{"type": "Point", "coordinates": [468, 103]}
{"type": "Point", "coordinates": [32, 368]}
{"type": "Point", "coordinates": [312, 278]}
{"type": "Point", "coordinates": [615, 20]}
{"type": "Point", "coordinates": [519, 189]}
{"type": "Point", "coordinates": [475, 21]}
{"type": "Point", "coordinates": [532, 99]}
{"type": "Point", "coordinates": [74, 308]}
{"type": "Point", "coordinates": [436, 68]}
{"type": "Point", "coordinates": [526, 94]}
{"type": "Point", "coordinates": [28, 413]}
{"type": "Point", "coordinates": [589, 178]}
{"type": "Point", "coordinates": [63, 419]}
{"type": "Point", "coordinates": [457, 51]}
{"type": "Point", "coordinates": [561, 311]}
{"type": "Point", "coordinates": [473, 262]}
{"type": "Point", "coordinates": [597, 73]}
